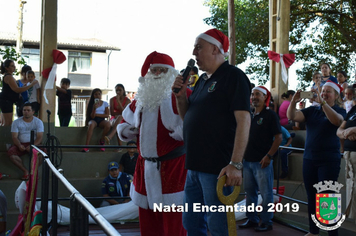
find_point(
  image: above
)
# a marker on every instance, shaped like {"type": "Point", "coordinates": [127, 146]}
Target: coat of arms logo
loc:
{"type": "Point", "coordinates": [328, 205]}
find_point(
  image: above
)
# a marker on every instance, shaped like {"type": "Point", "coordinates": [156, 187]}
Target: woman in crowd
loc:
{"type": "Point", "coordinates": [321, 160]}
{"type": "Point", "coordinates": [24, 95]}
{"type": "Point", "coordinates": [282, 112]}
{"type": "Point", "coordinates": [117, 105]}
{"type": "Point", "coordinates": [10, 91]}
{"type": "Point", "coordinates": [97, 112]}
{"type": "Point", "coordinates": [347, 131]}
{"type": "Point", "coordinates": [326, 74]}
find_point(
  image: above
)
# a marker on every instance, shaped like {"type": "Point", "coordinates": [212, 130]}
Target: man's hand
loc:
{"type": "Point", "coordinates": [348, 132]}
{"type": "Point", "coordinates": [22, 148]}
{"type": "Point", "coordinates": [178, 83]}
{"type": "Point", "coordinates": [265, 162]}
{"type": "Point", "coordinates": [351, 137]}
{"type": "Point", "coordinates": [234, 176]}
{"type": "Point", "coordinates": [28, 148]}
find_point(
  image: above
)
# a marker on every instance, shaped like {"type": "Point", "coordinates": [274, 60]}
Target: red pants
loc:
{"type": "Point", "coordinates": [161, 223]}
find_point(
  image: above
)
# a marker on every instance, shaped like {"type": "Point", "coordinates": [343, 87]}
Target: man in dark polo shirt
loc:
{"type": "Point", "coordinates": [265, 137]}
{"type": "Point", "coordinates": [129, 159]}
{"type": "Point", "coordinates": [215, 130]}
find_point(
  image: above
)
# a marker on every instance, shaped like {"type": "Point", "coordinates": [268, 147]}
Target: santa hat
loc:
{"type": "Point", "coordinates": [156, 59]}
{"type": "Point", "coordinates": [334, 85]}
{"type": "Point", "coordinates": [265, 91]}
{"type": "Point", "coordinates": [217, 38]}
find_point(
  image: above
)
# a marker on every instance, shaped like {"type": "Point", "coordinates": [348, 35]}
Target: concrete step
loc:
{"type": "Point", "coordinates": [65, 135]}
{"type": "Point", "coordinates": [75, 164]}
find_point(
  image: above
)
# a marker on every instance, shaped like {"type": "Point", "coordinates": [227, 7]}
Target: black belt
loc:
{"type": "Point", "coordinates": [177, 152]}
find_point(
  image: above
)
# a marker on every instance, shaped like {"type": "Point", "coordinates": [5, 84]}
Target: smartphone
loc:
{"type": "Point", "coordinates": [96, 100]}
{"type": "Point", "coordinates": [307, 94]}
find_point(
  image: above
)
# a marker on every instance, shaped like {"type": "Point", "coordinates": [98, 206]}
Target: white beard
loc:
{"type": "Point", "coordinates": [154, 89]}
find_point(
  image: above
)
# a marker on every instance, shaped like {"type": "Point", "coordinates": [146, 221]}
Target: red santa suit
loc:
{"type": "Point", "coordinates": [159, 133]}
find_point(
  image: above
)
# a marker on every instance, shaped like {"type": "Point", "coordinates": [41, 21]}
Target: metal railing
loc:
{"type": "Point", "coordinates": [80, 208]}
{"type": "Point", "coordinates": [278, 172]}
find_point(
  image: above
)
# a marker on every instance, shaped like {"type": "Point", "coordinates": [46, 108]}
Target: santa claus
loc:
{"type": "Point", "coordinates": [160, 175]}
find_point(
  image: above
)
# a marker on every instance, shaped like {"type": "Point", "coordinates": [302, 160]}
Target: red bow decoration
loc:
{"type": "Point", "coordinates": [58, 58]}
{"type": "Point", "coordinates": [50, 73]}
{"type": "Point", "coordinates": [286, 61]}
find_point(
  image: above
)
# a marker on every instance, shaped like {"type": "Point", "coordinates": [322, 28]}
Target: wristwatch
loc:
{"type": "Point", "coordinates": [238, 165]}
{"type": "Point", "coordinates": [269, 156]}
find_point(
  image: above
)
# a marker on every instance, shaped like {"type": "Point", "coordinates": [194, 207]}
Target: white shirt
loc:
{"type": "Point", "coordinates": [24, 128]}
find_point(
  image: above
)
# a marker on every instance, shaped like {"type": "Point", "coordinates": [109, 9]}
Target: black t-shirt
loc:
{"type": "Point", "coordinates": [129, 163]}
{"type": "Point", "coordinates": [64, 102]}
{"type": "Point", "coordinates": [350, 122]}
{"type": "Point", "coordinates": [264, 127]}
{"type": "Point", "coordinates": [7, 93]}
{"type": "Point", "coordinates": [209, 123]}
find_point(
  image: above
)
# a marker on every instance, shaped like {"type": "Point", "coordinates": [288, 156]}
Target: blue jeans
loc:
{"type": "Point", "coordinates": [200, 188]}
{"type": "Point", "coordinates": [256, 178]}
{"type": "Point", "coordinates": [313, 172]}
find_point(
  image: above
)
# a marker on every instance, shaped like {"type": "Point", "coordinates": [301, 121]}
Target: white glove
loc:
{"type": "Point", "coordinates": [127, 132]}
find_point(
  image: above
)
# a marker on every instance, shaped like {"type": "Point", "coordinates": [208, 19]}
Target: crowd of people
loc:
{"type": "Point", "coordinates": [190, 132]}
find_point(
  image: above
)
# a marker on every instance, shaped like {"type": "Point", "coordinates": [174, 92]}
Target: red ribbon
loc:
{"type": "Point", "coordinates": [287, 58]}
{"type": "Point", "coordinates": [58, 58]}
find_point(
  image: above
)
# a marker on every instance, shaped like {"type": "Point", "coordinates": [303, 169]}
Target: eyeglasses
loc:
{"type": "Point", "coordinates": [154, 70]}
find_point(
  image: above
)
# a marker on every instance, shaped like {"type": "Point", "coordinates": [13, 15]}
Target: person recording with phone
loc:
{"type": "Point", "coordinates": [321, 160]}
{"type": "Point", "coordinates": [97, 112]}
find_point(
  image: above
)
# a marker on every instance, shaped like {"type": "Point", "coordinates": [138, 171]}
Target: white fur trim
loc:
{"type": "Point", "coordinates": [162, 65]}
{"type": "Point", "coordinates": [137, 198]}
{"type": "Point", "coordinates": [123, 129]}
{"type": "Point", "coordinates": [212, 40]}
{"type": "Point", "coordinates": [333, 85]}
{"type": "Point", "coordinates": [168, 199]}
{"type": "Point", "coordinates": [260, 89]}
{"type": "Point", "coordinates": [128, 115]}
{"type": "Point", "coordinates": [148, 132]}
{"type": "Point", "coordinates": [153, 183]}
{"type": "Point", "coordinates": [137, 116]}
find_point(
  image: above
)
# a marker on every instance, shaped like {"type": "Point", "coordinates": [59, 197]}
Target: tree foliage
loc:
{"type": "Point", "coordinates": [321, 31]}
{"type": "Point", "coordinates": [10, 53]}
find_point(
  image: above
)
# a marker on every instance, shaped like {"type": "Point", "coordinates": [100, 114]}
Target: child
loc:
{"type": "Point", "coordinates": [33, 92]}
{"type": "Point", "coordinates": [129, 159]}
{"type": "Point", "coordinates": [64, 102]}
{"type": "Point", "coordinates": [116, 184]}
{"type": "Point", "coordinates": [316, 80]}
{"type": "Point", "coordinates": [349, 102]}
{"type": "Point", "coordinates": [97, 112]}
